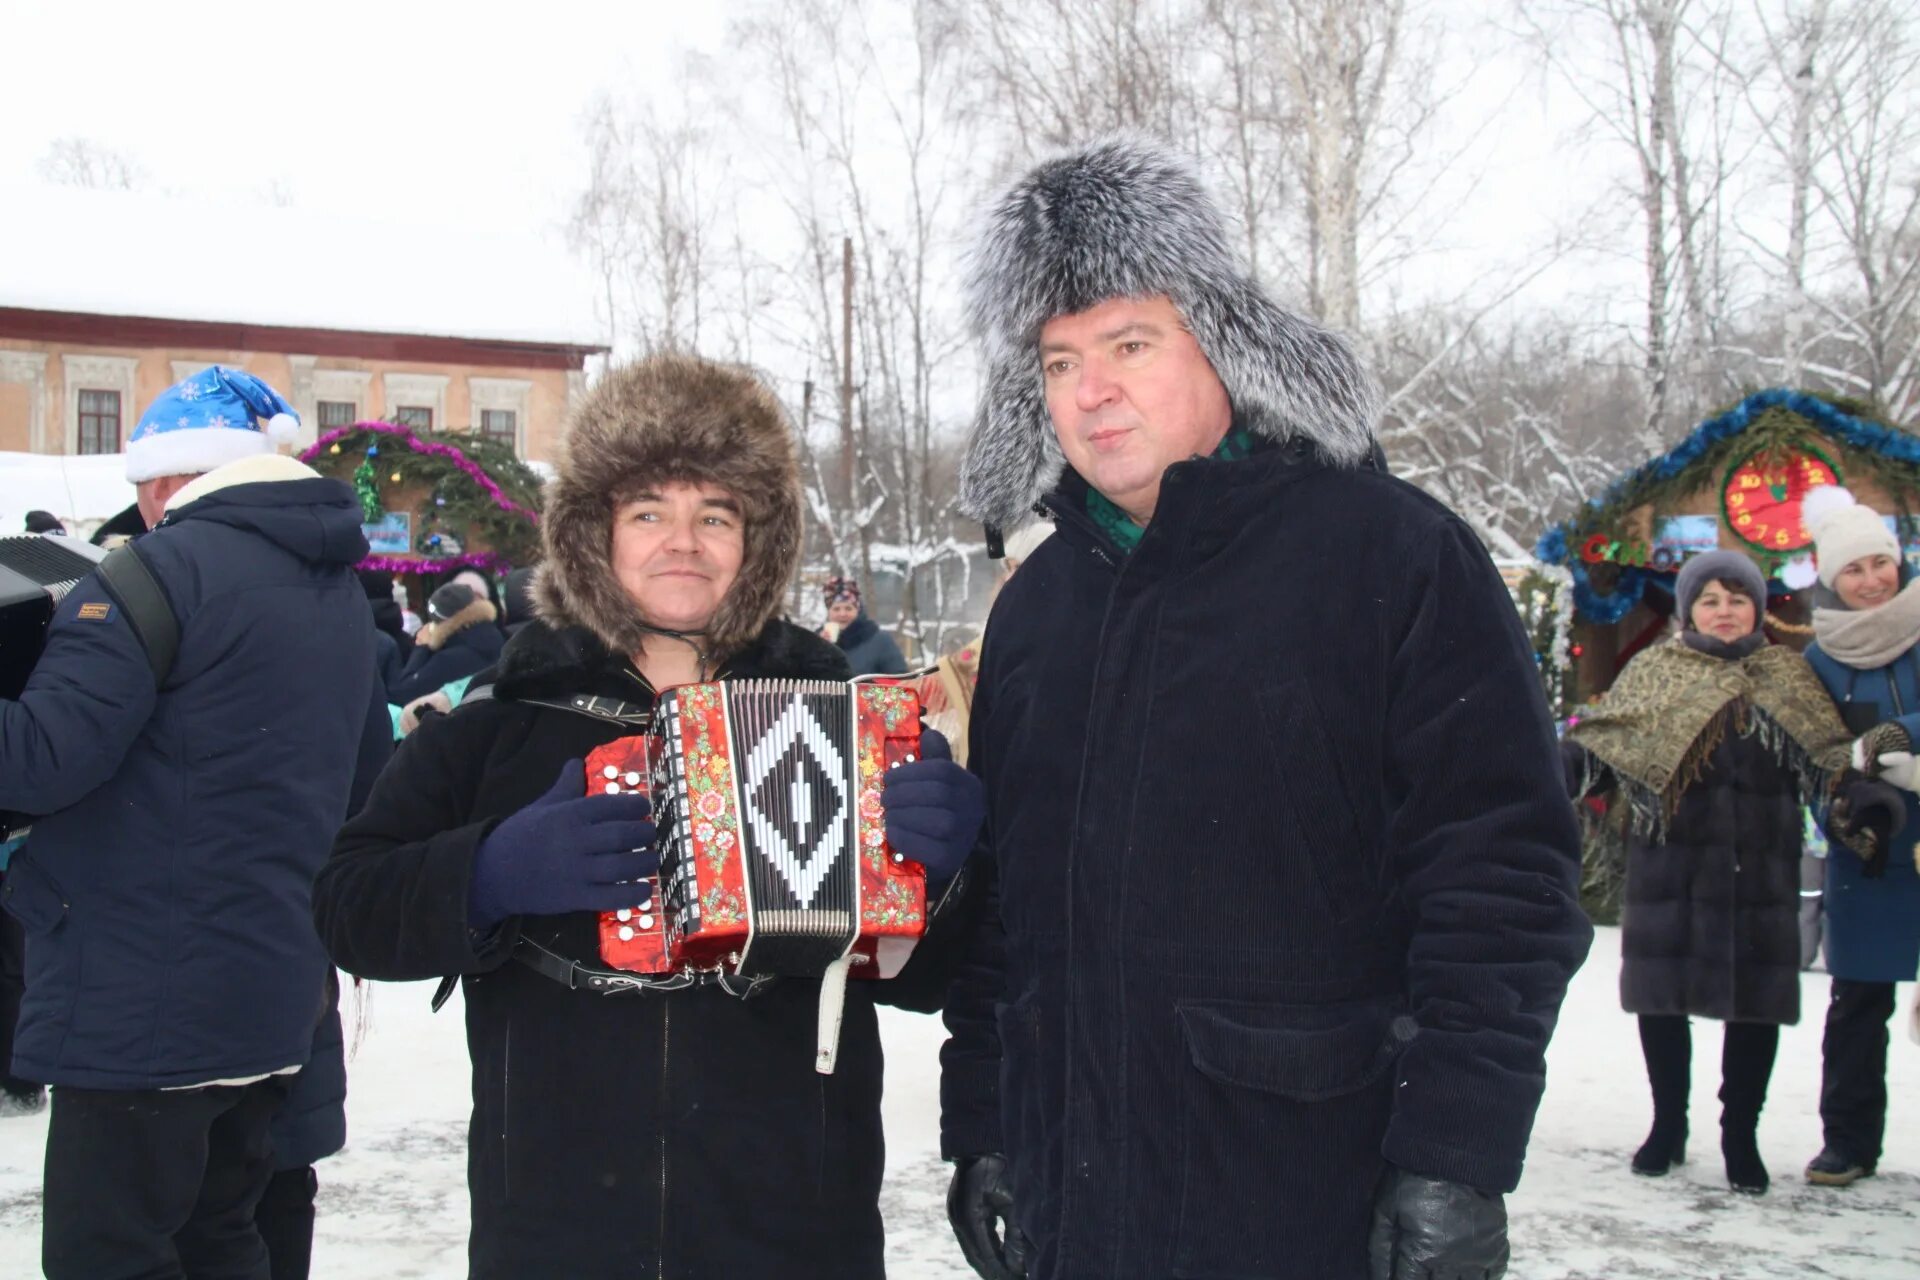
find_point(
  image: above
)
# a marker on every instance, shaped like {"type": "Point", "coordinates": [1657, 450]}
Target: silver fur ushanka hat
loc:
{"type": "Point", "coordinates": [1125, 217]}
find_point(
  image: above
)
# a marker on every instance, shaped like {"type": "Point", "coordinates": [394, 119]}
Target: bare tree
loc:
{"type": "Point", "coordinates": [83, 162]}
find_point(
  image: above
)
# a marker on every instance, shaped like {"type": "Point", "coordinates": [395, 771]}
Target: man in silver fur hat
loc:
{"type": "Point", "coordinates": [1285, 879]}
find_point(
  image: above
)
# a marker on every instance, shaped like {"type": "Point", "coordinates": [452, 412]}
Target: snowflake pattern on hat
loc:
{"type": "Point", "coordinates": [217, 416]}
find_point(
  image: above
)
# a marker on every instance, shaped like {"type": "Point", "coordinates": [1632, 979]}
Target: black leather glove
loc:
{"type": "Point", "coordinates": [979, 1194]}
{"type": "Point", "coordinates": [1869, 814]}
{"type": "Point", "coordinates": [1431, 1229]}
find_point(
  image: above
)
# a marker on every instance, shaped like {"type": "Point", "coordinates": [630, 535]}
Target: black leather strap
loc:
{"type": "Point", "coordinates": [132, 584]}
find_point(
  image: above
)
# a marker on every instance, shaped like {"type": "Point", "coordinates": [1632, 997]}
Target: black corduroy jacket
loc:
{"type": "Point", "coordinates": [1286, 876]}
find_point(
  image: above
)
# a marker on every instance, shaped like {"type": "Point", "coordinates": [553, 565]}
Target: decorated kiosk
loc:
{"type": "Point", "coordinates": [1605, 587]}
{"type": "Point", "coordinates": [434, 503]}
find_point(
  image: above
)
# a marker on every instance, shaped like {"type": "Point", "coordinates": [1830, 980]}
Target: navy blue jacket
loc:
{"type": "Point", "coordinates": [870, 651]}
{"type": "Point", "coordinates": [1873, 925]}
{"type": "Point", "coordinates": [167, 892]}
{"type": "Point", "coordinates": [1286, 876]}
{"type": "Point", "coordinates": [465, 653]}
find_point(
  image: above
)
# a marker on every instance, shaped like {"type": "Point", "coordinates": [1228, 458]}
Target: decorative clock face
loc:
{"type": "Point", "coordinates": [1762, 496]}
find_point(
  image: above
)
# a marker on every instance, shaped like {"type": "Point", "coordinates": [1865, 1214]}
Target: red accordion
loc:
{"type": "Point", "coordinates": [773, 851]}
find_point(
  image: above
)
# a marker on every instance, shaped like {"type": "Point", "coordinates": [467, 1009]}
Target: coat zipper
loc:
{"type": "Point", "coordinates": [666, 1026]}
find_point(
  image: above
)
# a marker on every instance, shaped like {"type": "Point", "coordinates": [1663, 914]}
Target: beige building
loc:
{"type": "Point", "coordinates": [124, 295]}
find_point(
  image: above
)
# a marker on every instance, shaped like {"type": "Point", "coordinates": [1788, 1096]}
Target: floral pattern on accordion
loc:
{"type": "Point", "coordinates": [716, 825]}
{"type": "Point", "coordinates": [893, 895]}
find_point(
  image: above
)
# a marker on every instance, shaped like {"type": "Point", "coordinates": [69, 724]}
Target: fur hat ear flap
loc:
{"type": "Point", "coordinates": [1014, 457]}
{"type": "Point", "coordinates": [1287, 377]}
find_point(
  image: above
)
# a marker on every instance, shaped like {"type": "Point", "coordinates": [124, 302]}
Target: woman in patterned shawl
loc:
{"type": "Point", "coordinates": [1711, 741]}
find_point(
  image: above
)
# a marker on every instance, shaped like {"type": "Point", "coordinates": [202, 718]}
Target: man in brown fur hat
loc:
{"type": "Point", "coordinates": [620, 1130]}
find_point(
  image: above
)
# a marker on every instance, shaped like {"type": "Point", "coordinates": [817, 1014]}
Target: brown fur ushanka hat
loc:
{"type": "Point", "coordinates": [657, 420]}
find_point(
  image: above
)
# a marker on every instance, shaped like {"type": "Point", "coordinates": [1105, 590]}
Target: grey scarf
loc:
{"type": "Point", "coordinates": [1866, 639]}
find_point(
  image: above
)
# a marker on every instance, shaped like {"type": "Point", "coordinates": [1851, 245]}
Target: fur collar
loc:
{"type": "Point", "coordinates": [545, 661]}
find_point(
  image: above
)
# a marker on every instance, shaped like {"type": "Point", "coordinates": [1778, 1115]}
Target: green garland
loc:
{"type": "Point", "coordinates": [1775, 431]}
{"type": "Point", "coordinates": [457, 513]}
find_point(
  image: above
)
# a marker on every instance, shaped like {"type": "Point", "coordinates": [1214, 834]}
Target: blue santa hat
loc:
{"type": "Point", "coordinates": [207, 421]}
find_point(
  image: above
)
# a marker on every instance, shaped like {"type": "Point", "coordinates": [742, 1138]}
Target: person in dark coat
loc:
{"type": "Point", "coordinates": [1713, 740]}
{"type": "Point", "coordinates": [1286, 900]}
{"type": "Point", "coordinates": [616, 1131]}
{"type": "Point", "coordinates": [1865, 626]}
{"type": "Point", "coordinates": [459, 639]}
{"type": "Point", "coordinates": [392, 645]}
{"type": "Point", "coordinates": [174, 977]}
{"type": "Point", "coordinates": [122, 525]}
{"type": "Point", "coordinates": [309, 1126]}
{"type": "Point", "coordinates": [516, 599]}
{"type": "Point", "coordinates": [869, 650]}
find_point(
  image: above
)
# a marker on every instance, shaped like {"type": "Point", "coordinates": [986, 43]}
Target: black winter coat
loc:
{"type": "Point", "coordinates": [677, 1135]}
{"type": "Point", "coordinates": [1287, 878]}
{"type": "Point", "coordinates": [1710, 922]}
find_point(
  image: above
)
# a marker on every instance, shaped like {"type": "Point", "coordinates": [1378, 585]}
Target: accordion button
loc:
{"type": "Point", "coordinates": [623, 915]}
{"type": "Point", "coordinates": [633, 779]}
{"type": "Point", "coordinates": [626, 933]}
{"type": "Point", "coordinates": [646, 922]}
{"type": "Point", "coordinates": [611, 771]}
{"type": "Point", "coordinates": [613, 788]}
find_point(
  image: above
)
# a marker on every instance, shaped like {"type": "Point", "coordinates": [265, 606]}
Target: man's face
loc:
{"type": "Point", "coordinates": [677, 548]}
{"type": "Point", "coordinates": [1130, 393]}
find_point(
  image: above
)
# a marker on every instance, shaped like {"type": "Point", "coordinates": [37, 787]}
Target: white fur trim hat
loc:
{"type": "Point", "coordinates": [215, 417]}
{"type": "Point", "coordinates": [1129, 218]}
{"type": "Point", "coordinates": [1844, 531]}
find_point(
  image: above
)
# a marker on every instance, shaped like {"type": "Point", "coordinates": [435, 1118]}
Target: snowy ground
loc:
{"type": "Point", "coordinates": [394, 1203]}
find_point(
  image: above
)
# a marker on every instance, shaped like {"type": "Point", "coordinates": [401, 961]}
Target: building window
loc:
{"type": "Point", "coordinates": [415, 417]}
{"type": "Point", "coordinates": [99, 421]}
{"type": "Point", "coordinates": [337, 413]}
{"type": "Point", "coordinates": [498, 425]}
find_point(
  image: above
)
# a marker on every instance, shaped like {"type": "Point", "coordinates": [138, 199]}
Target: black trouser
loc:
{"type": "Point", "coordinates": [13, 948]}
{"type": "Point", "coordinates": [1853, 1082]}
{"type": "Point", "coordinates": [158, 1184]}
{"type": "Point", "coordinates": [285, 1219]}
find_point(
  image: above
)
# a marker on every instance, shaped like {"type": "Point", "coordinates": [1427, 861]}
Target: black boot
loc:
{"type": "Point", "coordinates": [1853, 1082]}
{"type": "Point", "coordinates": [1746, 1065]}
{"type": "Point", "coordinates": [1668, 1046]}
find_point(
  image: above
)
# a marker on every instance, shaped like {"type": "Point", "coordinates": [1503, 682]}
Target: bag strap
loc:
{"type": "Point", "coordinates": [130, 581]}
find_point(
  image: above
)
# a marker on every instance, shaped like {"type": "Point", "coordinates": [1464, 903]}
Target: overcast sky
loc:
{"type": "Point", "coordinates": [474, 106]}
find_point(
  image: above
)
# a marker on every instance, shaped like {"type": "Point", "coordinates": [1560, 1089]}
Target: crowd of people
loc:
{"type": "Point", "coordinates": [1250, 911]}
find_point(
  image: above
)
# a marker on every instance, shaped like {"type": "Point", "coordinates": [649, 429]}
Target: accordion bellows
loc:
{"type": "Point", "coordinates": [773, 852]}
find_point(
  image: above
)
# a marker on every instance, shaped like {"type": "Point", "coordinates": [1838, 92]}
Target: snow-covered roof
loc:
{"type": "Point", "coordinates": [83, 490]}
{"type": "Point", "coordinates": [416, 270]}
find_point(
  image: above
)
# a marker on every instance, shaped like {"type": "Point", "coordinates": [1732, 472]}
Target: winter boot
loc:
{"type": "Point", "coordinates": [1832, 1169]}
{"type": "Point", "coordinates": [1668, 1046]}
{"type": "Point", "coordinates": [1746, 1066]}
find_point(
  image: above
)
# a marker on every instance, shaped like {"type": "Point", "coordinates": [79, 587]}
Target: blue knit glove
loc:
{"type": "Point", "coordinates": [567, 851]}
{"type": "Point", "coordinates": [934, 809]}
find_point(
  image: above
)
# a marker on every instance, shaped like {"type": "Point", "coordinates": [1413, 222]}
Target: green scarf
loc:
{"type": "Point", "coordinates": [1116, 524]}
{"type": "Point", "coordinates": [1658, 726]}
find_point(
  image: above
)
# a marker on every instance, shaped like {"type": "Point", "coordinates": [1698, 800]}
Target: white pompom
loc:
{"type": "Point", "coordinates": [1798, 573]}
{"type": "Point", "coordinates": [1822, 504]}
{"type": "Point", "coordinates": [283, 426]}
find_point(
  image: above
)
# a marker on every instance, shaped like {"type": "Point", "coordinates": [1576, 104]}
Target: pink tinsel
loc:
{"type": "Point", "coordinates": [485, 561]}
{"type": "Point", "coordinates": [415, 443]}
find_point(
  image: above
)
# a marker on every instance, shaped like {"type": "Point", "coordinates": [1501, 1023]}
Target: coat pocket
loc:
{"type": "Point", "coordinates": [33, 897]}
{"type": "Point", "coordinates": [1283, 1109]}
{"type": "Point", "coordinates": [1317, 802]}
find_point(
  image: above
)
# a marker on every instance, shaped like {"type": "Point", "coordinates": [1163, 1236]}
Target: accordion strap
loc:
{"type": "Point", "coordinates": [575, 976]}
{"type": "Point", "coordinates": [633, 715]}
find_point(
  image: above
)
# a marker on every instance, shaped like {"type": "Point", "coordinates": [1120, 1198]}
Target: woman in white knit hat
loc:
{"type": "Point", "coordinates": [1866, 624]}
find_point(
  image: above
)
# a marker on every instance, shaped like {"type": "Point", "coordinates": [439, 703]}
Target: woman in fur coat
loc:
{"type": "Point", "coordinates": [1865, 624]}
{"type": "Point", "coordinates": [633, 1133]}
{"type": "Point", "coordinates": [1712, 741]}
